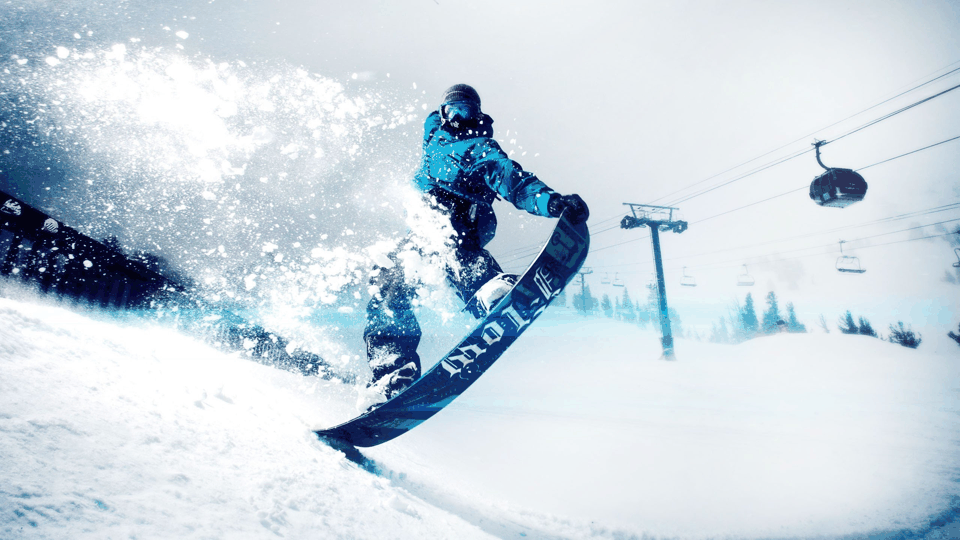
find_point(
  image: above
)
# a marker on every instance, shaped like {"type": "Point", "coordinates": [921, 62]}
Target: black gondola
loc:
{"type": "Point", "coordinates": [837, 187]}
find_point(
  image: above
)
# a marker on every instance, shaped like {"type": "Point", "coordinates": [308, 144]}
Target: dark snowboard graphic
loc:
{"type": "Point", "coordinates": [556, 265]}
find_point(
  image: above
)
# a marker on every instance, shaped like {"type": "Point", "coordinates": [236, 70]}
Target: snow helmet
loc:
{"type": "Point", "coordinates": [460, 92]}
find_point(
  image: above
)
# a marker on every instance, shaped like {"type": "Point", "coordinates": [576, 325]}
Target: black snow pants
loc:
{"type": "Point", "coordinates": [392, 332]}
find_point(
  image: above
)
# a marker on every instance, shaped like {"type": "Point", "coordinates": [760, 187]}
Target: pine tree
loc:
{"type": "Point", "coordinates": [643, 317]}
{"type": "Point", "coordinates": [583, 301]}
{"type": "Point", "coordinates": [735, 316]}
{"type": "Point", "coordinates": [794, 325]}
{"type": "Point", "coordinates": [749, 317]}
{"type": "Point", "coordinates": [823, 324]}
{"type": "Point", "coordinates": [848, 325]}
{"type": "Point", "coordinates": [724, 335]}
{"type": "Point", "coordinates": [606, 306]}
{"type": "Point", "coordinates": [561, 299]}
{"type": "Point", "coordinates": [653, 296]}
{"type": "Point", "coordinates": [676, 324]}
{"type": "Point", "coordinates": [905, 337]}
{"type": "Point", "coordinates": [617, 308]}
{"type": "Point", "coordinates": [651, 311]}
{"type": "Point", "coordinates": [629, 312]}
{"type": "Point", "coordinates": [865, 329]}
{"type": "Point", "coordinates": [771, 316]}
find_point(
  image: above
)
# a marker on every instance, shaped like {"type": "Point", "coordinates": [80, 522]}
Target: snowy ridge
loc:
{"type": "Point", "coordinates": [119, 430]}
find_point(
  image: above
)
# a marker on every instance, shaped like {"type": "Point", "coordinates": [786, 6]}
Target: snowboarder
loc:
{"type": "Point", "coordinates": [462, 171]}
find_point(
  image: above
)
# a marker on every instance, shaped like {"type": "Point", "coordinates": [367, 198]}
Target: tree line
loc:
{"type": "Point", "coordinates": [622, 308]}
{"type": "Point", "coordinates": [741, 322]}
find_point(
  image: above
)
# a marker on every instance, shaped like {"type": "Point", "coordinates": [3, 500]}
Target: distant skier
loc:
{"type": "Point", "coordinates": [462, 171]}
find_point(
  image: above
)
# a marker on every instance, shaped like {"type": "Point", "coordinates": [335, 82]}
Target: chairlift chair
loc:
{"type": "Point", "coordinates": [957, 264]}
{"type": "Point", "coordinates": [836, 187]}
{"type": "Point", "coordinates": [745, 279]}
{"type": "Point", "coordinates": [605, 280]}
{"type": "Point", "coordinates": [847, 263]}
{"type": "Point", "coordinates": [617, 282]}
{"type": "Point", "coordinates": [687, 281]}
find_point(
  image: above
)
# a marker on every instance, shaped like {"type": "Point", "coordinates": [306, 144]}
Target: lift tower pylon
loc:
{"type": "Point", "coordinates": [657, 218]}
{"type": "Point", "coordinates": [584, 270]}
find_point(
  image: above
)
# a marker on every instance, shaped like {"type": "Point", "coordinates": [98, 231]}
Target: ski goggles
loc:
{"type": "Point", "coordinates": [459, 110]}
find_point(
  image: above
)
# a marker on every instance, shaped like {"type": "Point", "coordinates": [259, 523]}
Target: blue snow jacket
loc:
{"type": "Point", "coordinates": [469, 168]}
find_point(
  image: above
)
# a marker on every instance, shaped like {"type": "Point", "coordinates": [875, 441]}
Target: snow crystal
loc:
{"type": "Point", "coordinates": [117, 52]}
{"type": "Point", "coordinates": [182, 35]}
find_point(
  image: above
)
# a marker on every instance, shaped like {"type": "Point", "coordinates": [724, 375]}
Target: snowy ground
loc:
{"type": "Point", "coordinates": [128, 430]}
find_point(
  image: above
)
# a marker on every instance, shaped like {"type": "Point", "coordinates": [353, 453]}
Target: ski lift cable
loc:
{"type": "Point", "coordinates": [741, 177]}
{"type": "Point", "coordinates": [534, 249]}
{"type": "Point", "coordinates": [621, 243]}
{"type": "Point", "coordinates": [913, 214]}
{"type": "Point", "coordinates": [798, 154]}
{"type": "Point", "coordinates": [523, 253]}
{"type": "Point", "coordinates": [528, 250]}
{"type": "Point", "coordinates": [830, 245]}
{"type": "Point", "coordinates": [778, 162]}
{"type": "Point", "coordinates": [830, 250]}
{"type": "Point", "coordinates": [626, 242]}
{"type": "Point", "coordinates": [819, 130]}
{"type": "Point", "coordinates": [917, 213]}
{"type": "Point", "coordinates": [805, 186]}
{"type": "Point", "coordinates": [908, 153]}
{"type": "Point", "coordinates": [894, 113]}
{"type": "Point", "coordinates": [531, 249]}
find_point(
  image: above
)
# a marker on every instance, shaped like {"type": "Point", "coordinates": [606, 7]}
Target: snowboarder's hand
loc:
{"type": "Point", "coordinates": [577, 209]}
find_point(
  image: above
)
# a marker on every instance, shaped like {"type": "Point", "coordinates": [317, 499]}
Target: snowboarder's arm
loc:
{"type": "Point", "coordinates": [430, 126]}
{"type": "Point", "coordinates": [508, 179]}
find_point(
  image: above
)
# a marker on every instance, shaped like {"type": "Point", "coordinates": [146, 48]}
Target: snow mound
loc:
{"type": "Point", "coordinates": [122, 432]}
{"type": "Point", "coordinates": [111, 430]}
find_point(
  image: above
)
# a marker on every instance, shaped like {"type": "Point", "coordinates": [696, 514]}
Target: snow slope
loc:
{"type": "Point", "coordinates": [128, 430]}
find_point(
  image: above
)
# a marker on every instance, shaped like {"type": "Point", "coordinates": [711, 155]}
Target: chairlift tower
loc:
{"type": "Point", "coordinates": [584, 270]}
{"type": "Point", "coordinates": [657, 218]}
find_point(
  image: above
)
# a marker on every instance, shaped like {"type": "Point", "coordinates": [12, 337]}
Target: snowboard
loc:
{"type": "Point", "coordinates": [555, 266]}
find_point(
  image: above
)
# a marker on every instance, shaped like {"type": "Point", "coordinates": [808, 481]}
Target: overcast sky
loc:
{"type": "Point", "coordinates": [633, 101]}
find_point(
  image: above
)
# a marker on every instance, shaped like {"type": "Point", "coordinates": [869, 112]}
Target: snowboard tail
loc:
{"type": "Point", "coordinates": [555, 266]}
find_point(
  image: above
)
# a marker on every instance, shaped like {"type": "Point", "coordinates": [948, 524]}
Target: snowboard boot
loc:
{"type": "Point", "coordinates": [487, 297]}
{"type": "Point", "coordinates": [395, 364]}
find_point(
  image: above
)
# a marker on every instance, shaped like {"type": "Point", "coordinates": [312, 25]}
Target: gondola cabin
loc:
{"type": "Point", "coordinates": [836, 187]}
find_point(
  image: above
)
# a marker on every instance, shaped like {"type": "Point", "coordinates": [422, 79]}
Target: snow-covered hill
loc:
{"type": "Point", "coordinates": [128, 430]}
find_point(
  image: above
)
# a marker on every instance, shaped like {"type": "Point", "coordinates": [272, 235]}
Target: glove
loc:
{"type": "Point", "coordinates": [576, 209]}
